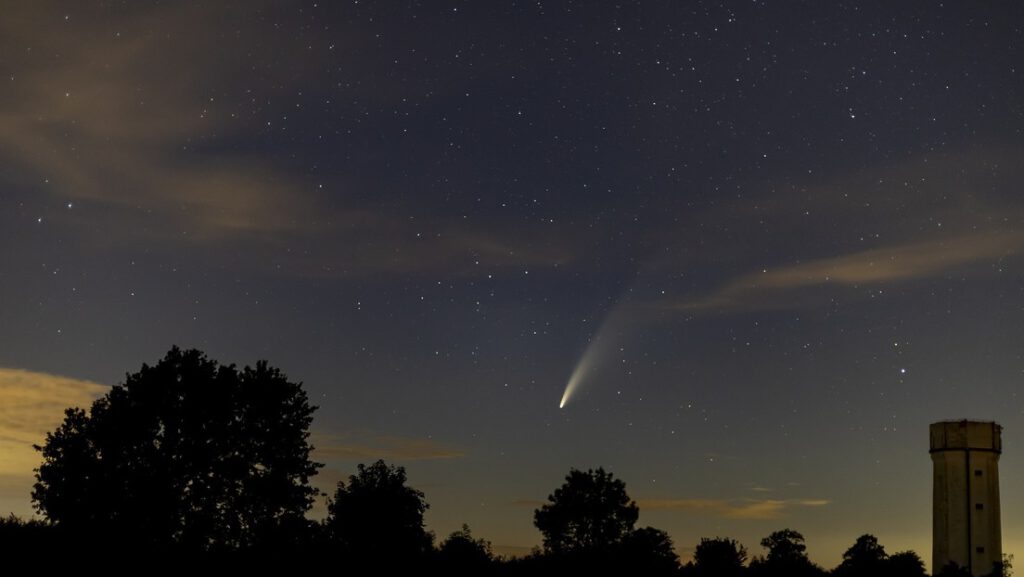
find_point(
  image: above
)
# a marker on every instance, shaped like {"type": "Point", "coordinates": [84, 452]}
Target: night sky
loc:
{"type": "Point", "coordinates": [772, 240]}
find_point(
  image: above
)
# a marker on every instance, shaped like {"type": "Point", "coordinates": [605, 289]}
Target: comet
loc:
{"type": "Point", "coordinates": [598, 349]}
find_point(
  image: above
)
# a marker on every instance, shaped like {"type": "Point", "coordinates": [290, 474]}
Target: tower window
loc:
{"type": "Point", "coordinates": [977, 472]}
{"type": "Point", "coordinates": [979, 506]}
{"type": "Point", "coordinates": [979, 549]}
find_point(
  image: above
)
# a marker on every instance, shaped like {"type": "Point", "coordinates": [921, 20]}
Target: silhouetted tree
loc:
{"type": "Point", "coordinates": [186, 453]}
{"type": "Point", "coordinates": [1002, 568]}
{"type": "Point", "coordinates": [534, 564]}
{"type": "Point", "coordinates": [461, 554]}
{"type": "Point", "coordinates": [785, 547]}
{"type": "Point", "coordinates": [26, 541]}
{"type": "Point", "coordinates": [587, 525]}
{"type": "Point", "coordinates": [866, 557]}
{"type": "Point", "coordinates": [719, 557]}
{"type": "Point", "coordinates": [787, 556]}
{"type": "Point", "coordinates": [377, 518]}
{"type": "Point", "coordinates": [905, 564]}
{"type": "Point", "coordinates": [647, 551]}
{"type": "Point", "coordinates": [951, 569]}
{"type": "Point", "coordinates": [589, 512]}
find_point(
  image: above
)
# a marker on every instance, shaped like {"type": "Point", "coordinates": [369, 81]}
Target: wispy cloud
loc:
{"type": "Point", "coordinates": [382, 245]}
{"type": "Point", "coordinates": [31, 405]}
{"type": "Point", "coordinates": [97, 121]}
{"type": "Point", "coordinates": [770, 287]}
{"type": "Point", "coordinates": [732, 509]}
{"type": "Point", "coordinates": [158, 144]}
{"type": "Point", "coordinates": [369, 446]}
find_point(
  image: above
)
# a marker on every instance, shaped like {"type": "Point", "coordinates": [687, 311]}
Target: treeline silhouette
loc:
{"type": "Point", "coordinates": [190, 463]}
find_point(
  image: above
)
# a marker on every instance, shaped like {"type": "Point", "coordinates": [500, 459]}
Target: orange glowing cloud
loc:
{"type": "Point", "coordinates": [32, 404]}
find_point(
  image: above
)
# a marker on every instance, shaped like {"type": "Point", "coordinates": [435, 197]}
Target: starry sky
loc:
{"type": "Point", "coordinates": [771, 242]}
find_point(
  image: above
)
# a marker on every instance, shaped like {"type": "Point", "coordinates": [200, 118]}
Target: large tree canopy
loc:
{"type": "Point", "coordinates": [719, 557]}
{"type": "Point", "coordinates": [376, 516]}
{"type": "Point", "coordinates": [787, 556]}
{"type": "Point", "coordinates": [590, 511]}
{"type": "Point", "coordinates": [588, 527]}
{"type": "Point", "coordinates": [865, 557]}
{"type": "Point", "coordinates": [185, 453]}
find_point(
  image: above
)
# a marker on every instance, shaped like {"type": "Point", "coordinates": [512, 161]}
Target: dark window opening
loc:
{"type": "Point", "coordinates": [980, 549]}
{"type": "Point", "coordinates": [979, 506]}
{"type": "Point", "coordinates": [977, 472]}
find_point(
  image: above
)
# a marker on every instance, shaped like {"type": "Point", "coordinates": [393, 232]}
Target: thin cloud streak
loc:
{"type": "Point", "coordinates": [336, 450]}
{"type": "Point", "coordinates": [366, 446]}
{"type": "Point", "coordinates": [903, 263]}
{"type": "Point", "coordinates": [751, 509]}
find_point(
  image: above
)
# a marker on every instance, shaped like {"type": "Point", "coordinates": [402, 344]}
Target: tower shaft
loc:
{"type": "Point", "coordinates": [965, 495]}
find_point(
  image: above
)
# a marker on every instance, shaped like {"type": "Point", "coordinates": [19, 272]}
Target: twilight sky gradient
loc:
{"type": "Point", "coordinates": [784, 236]}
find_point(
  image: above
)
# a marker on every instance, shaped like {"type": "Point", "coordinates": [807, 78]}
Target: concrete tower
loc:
{"type": "Point", "coordinates": [965, 495]}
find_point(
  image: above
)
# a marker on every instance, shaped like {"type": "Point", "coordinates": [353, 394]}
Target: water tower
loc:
{"type": "Point", "coordinates": [965, 495]}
